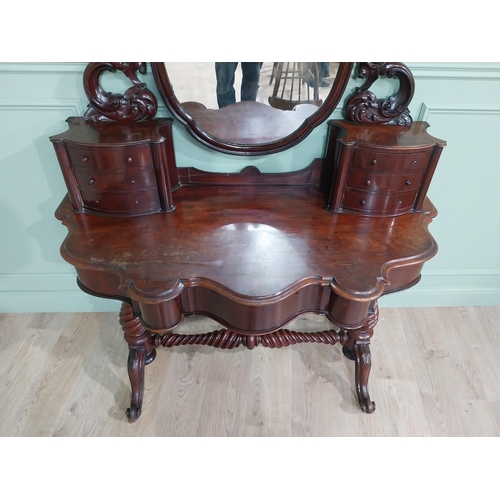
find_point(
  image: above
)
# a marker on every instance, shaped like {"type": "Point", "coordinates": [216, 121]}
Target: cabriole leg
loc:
{"type": "Point", "coordinates": [357, 348]}
{"type": "Point", "coordinates": [363, 364]}
{"type": "Point", "coordinates": [141, 352]}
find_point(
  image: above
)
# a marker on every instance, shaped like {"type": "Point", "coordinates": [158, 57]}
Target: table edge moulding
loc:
{"type": "Point", "coordinates": [249, 250]}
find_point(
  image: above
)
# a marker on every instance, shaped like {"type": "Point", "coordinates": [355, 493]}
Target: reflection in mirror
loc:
{"type": "Point", "coordinates": [251, 103]}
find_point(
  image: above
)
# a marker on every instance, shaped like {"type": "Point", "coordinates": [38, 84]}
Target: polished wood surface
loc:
{"type": "Point", "coordinates": [253, 246]}
{"type": "Point", "coordinates": [115, 169]}
{"type": "Point", "coordinates": [252, 255]}
{"type": "Point", "coordinates": [379, 170]}
{"type": "Point", "coordinates": [434, 373]}
{"type": "Point", "coordinates": [248, 122]}
{"type": "Point", "coordinates": [252, 251]}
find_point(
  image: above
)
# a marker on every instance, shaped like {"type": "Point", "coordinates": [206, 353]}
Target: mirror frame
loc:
{"type": "Point", "coordinates": [324, 112]}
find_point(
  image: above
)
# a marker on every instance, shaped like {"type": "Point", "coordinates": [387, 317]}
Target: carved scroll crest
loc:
{"type": "Point", "coordinates": [136, 104]}
{"type": "Point", "coordinates": [364, 107]}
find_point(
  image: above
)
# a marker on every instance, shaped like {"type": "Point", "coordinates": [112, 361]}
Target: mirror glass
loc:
{"type": "Point", "coordinates": [251, 108]}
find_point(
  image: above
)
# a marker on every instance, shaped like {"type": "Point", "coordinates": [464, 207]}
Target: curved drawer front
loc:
{"type": "Point", "coordinates": [127, 179]}
{"type": "Point", "coordinates": [376, 160]}
{"type": "Point", "coordinates": [383, 183]}
{"type": "Point", "coordinates": [124, 203]}
{"type": "Point", "coordinates": [109, 157]}
{"type": "Point", "coordinates": [357, 200]}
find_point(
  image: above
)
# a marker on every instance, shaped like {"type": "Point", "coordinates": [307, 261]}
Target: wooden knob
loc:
{"type": "Point", "coordinates": [362, 203]}
{"type": "Point", "coordinates": [408, 183]}
{"type": "Point", "coordinates": [368, 182]}
{"type": "Point", "coordinates": [414, 162]}
{"type": "Point", "coordinates": [129, 159]}
{"type": "Point", "coordinates": [92, 181]}
{"type": "Point", "coordinates": [85, 159]}
{"type": "Point", "coordinates": [374, 161]}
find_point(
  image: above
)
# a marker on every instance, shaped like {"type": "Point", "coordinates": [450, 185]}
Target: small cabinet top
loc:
{"type": "Point", "coordinates": [109, 133]}
{"type": "Point", "coordinates": [387, 136]}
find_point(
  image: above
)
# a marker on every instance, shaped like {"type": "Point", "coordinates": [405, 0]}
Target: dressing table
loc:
{"type": "Point", "coordinates": [250, 250]}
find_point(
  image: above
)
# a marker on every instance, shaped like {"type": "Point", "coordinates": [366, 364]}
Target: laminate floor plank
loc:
{"type": "Point", "coordinates": [447, 373]}
{"type": "Point", "coordinates": [45, 344]}
{"type": "Point", "coordinates": [65, 363]}
{"type": "Point", "coordinates": [93, 398]}
{"type": "Point", "coordinates": [269, 393]}
{"type": "Point", "coordinates": [434, 373]}
{"type": "Point", "coordinates": [226, 394]}
{"type": "Point", "coordinates": [319, 389]}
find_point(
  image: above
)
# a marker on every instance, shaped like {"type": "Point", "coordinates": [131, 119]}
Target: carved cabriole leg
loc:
{"type": "Point", "coordinates": [357, 348]}
{"type": "Point", "coordinates": [141, 352]}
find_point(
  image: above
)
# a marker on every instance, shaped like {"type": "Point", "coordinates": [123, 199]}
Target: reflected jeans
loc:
{"type": "Point", "coordinates": [224, 72]}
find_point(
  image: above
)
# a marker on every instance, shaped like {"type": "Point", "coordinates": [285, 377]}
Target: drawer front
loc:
{"type": "Point", "coordinates": [390, 161]}
{"type": "Point", "coordinates": [119, 180]}
{"type": "Point", "coordinates": [378, 204]}
{"type": "Point", "coordinates": [110, 158]}
{"type": "Point", "coordinates": [383, 183]}
{"type": "Point", "coordinates": [124, 203]}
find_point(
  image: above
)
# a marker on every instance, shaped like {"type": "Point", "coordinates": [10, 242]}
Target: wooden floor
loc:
{"type": "Point", "coordinates": [435, 373]}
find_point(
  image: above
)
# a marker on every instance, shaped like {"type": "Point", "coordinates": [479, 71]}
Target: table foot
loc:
{"type": "Point", "coordinates": [141, 352]}
{"type": "Point", "coordinates": [363, 366]}
{"type": "Point", "coordinates": [349, 353]}
{"type": "Point", "coordinates": [133, 413]}
{"type": "Point", "coordinates": [357, 349]}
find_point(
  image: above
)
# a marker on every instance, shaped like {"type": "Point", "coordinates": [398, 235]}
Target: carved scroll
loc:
{"type": "Point", "coordinates": [136, 104]}
{"type": "Point", "coordinates": [364, 107]}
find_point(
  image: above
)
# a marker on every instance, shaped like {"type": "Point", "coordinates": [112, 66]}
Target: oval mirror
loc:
{"type": "Point", "coordinates": [251, 108]}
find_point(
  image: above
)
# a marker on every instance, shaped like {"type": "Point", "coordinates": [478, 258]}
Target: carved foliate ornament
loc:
{"type": "Point", "coordinates": [364, 107]}
{"type": "Point", "coordinates": [136, 104]}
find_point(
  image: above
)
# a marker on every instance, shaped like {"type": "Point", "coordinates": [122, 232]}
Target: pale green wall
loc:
{"type": "Point", "coordinates": [461, 101]}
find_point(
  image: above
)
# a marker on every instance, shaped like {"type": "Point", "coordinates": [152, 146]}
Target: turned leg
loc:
{"type": "Point", "coordinates": [357, 348]}
{"type": "Point", "coordinates": [141, 352]}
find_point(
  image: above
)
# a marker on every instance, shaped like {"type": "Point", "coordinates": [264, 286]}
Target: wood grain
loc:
{"type": "Point", "coordinates": [434, 374]}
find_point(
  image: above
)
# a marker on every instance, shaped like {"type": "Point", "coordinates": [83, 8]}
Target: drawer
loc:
{"type": "Point", "coordinates": [356, 200]}
{"type": "Point", "coordinates": [383, 183]}
{"type": "Point", "coordinates": [109, 157]}
{"type": "Point", "coordinates": [127, 179]}
{"type": "Point", "coordinates": [390, 161]}
{"type": "Point", "coordinates": [125, 203]}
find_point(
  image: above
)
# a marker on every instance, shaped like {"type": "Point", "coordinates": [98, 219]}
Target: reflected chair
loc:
{"type": "Point", "coordinates": [295, 83]}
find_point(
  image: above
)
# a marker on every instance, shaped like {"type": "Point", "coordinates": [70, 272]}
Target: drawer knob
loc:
{"type": "Point", "coordinates": [368, 182]}
{"type": "Point", "coordinates": [362, 203]}
{"type": "Point", "coordinates": [374, 161]}
{"type": "Point", "coordinates": [408, 183]}
{"type": "Point", "coordinates": [85, 159]}
{"type": "Point", "coordinates": [92, 181]}
{"type": "Point", "coordinates": [414, 162]}
{"type": "Point", "coordinates": [129, 159]}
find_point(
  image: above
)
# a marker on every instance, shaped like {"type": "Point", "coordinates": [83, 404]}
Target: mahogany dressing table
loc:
{"type": "Point", "coordinates": [250, 250]}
